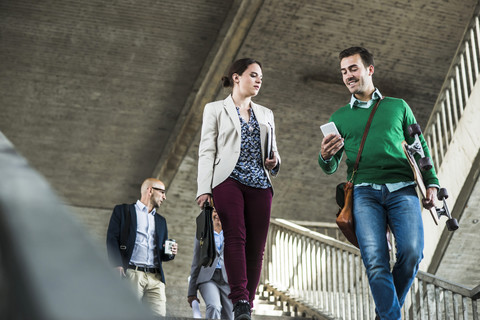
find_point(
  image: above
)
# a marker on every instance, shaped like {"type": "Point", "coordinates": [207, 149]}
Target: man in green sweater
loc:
{"type": "Point", "coordinates": [384, 187]}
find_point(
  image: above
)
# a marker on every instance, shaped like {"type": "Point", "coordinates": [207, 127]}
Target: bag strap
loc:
{"type": "Point", "coordinates": [126, 227]}
{"type": "Point", "coordinates": [367, 127]}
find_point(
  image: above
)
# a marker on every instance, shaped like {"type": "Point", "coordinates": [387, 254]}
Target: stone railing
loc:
{"type": "Point", "coordinates": [455, 92]}
{"type": "Point", "coordinates": [313, 275]}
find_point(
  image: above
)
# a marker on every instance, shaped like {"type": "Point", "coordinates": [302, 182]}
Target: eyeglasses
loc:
{"type": "Point", "coordinates": [159, 189]}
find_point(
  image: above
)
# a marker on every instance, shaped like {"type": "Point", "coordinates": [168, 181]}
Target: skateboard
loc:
{"type": "Point", "coordinates": [424, 164]}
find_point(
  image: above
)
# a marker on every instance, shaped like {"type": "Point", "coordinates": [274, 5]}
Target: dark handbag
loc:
{"type": "Point", "coordinates": [205, 236]}
{"type": "Point", "coordinates": [345, 199]}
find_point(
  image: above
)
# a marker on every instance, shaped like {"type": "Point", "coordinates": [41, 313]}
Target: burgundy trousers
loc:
{"type": "Point", "coordinates": [245, 215]}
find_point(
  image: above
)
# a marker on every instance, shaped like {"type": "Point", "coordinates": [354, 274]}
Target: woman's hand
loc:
{"type": "Point", "coordinates": [271, 163]}
{"type": "Point", "coordinates": [204, 197]}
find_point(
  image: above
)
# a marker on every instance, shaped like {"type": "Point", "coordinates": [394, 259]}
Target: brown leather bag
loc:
{"type": "Point", "coordinates": [345, 214]}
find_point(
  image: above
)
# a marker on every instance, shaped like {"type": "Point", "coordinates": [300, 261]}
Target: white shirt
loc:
{"type": "Point", "coordinates": [218, 243]}
{"type": "Point", "coordinates": [144, 251]}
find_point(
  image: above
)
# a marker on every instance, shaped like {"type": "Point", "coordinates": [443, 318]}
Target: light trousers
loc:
{"type": "Point", "coordinates": [215, 294]}
{"type": "Point", "coordinates": [150, 289]}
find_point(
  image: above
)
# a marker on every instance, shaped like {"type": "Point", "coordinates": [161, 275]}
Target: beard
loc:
{"type": "Point", "coordinates": [156, 204]}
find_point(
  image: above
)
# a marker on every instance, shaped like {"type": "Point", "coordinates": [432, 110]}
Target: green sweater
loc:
{"type": "Point", "coordinates": [382, 160]}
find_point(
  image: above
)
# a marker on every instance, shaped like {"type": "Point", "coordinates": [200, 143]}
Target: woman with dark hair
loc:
{"type": "Point", "coordinates": [237, 154]}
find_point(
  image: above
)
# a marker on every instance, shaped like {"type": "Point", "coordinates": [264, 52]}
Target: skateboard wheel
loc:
{"type": "Point", "coordinates": [442, 194]}
{"type": "Point", "coordinates": [414, 129]}
{"type": "Point", "coordinates": [425, 163]}
{"type": "Point", "coordinates": [452, 224]}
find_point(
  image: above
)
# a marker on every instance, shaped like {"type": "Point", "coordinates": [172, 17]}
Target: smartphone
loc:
{"type": "Point", "coordinates": [328, 128]}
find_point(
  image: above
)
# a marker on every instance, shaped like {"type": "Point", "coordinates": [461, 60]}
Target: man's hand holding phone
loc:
{"type": "Point", "coordinates": [332, 141]}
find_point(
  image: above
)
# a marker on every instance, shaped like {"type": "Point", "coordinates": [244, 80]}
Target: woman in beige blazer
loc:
{"type": "Point", "coordinates": [237, 154]}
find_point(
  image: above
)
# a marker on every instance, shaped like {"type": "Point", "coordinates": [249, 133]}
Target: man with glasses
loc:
{"type": "Point", "coordinates": [136, 244]}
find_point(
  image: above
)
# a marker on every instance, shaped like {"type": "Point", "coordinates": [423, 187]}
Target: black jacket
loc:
{"type": "Point", "coordinates": [115, 227]}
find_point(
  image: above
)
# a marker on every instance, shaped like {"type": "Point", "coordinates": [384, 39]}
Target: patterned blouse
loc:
{"type": "Point", "coordinates": [249, 168]}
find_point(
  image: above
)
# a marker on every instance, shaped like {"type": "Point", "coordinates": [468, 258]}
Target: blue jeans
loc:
{"type": "Point", "coordinates": [373, 210]}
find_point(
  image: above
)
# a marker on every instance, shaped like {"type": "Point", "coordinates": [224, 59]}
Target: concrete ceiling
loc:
{"type": "Point", "coordinates": [99, 95]}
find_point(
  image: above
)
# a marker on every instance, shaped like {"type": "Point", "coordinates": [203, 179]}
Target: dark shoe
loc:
{"type": "Point", "coordinates": [242, 310]}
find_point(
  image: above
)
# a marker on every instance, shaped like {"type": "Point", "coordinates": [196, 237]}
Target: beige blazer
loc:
{"type": "Point", "coordinates": [220, 142]}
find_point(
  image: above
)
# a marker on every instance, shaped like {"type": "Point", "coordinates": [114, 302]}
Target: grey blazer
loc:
{"type": "Point", "coordinates": [219, 147]}
{"type": "Point", "coordinates": [200, 274]}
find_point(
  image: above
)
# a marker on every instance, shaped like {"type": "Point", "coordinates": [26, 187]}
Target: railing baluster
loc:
{"type": "Point", "coordinates": [346, 291]}
{"type": "Point", "coordinates": [297, 266]}
{"type": "Point", "coordinates": [282, 252]}
{"type": "Point", "coordinates": [317, 272]}
{"type": "Point", "coordinates": [352, 300]}
{"type": "Point", "coordinates": [435, 152]}
{"type": "Point", "coordinates": [414, 292]}
{"type": "Point", "coordinates": [365, 296]}
{"type": "Point", "coordinates": [325, 277]}
{"type": "Point", "coordinates": [292, 270]}
{"type": "Point", "coordinates": [300, 265]}
{"type": "Point", "coordinates": [308, 271]}
{"type": "Point", "coordinates": [469, 66]}
{"type": "Point", "coordinates": [372, 305]}
{"type": "Point", "coordinates": [446, 137]}
{"type": "Point", "coordinates": [421, 297]}
{"type": "Point", "coordinates": [340, 291]}
{"type": "Point", "coordinates": [440, 139]}
{"type": "Point", "coordinates": [446, 304]}
{"type": "Point", "coordinates": [456, 311]}
{"type": "Point", "coordinates": [336, 280]}
{"type": "Point", "coordinates": [311, 266]}
{"type": "Point", "coordinates": [329, 280]}
{"type": "Point", "coordinates": [464, 308]}
{"type": "Point", "coordinates": [311, 271]}
{"type": "Point", "coordinates": [276, 267]}
{"type": "Point", "coordinates": [358, 288]}
{"type": "Point", "coordinates": [438, 305]}
{"type": "Point", "coordinates": [332, 281]}
{"type": "Point", "coordinates": [408, 302]}
{"type": "Point", "coordinates": [464, 80]}
{"type": "Point", "coordinates": [454, 100]}
{"type": "Point", "coordinates": [449, 115]}
{"type": "Point", "coordinates": [287, 276]}
{"type": "Point", "coordinates": [318, 275]}
{"type": "Point", "coordinates": [430, 302]}
{"type": "Point", "coordinates": [307, 261]}
{"type": "Point", "coordinates": [475, 310]}
{"type": "Point", "coordinates": [474, 54]}
{"type": "Point", "coordinates": [458, 81]}
{"type": "Point", "coordinates": [477, 32]}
